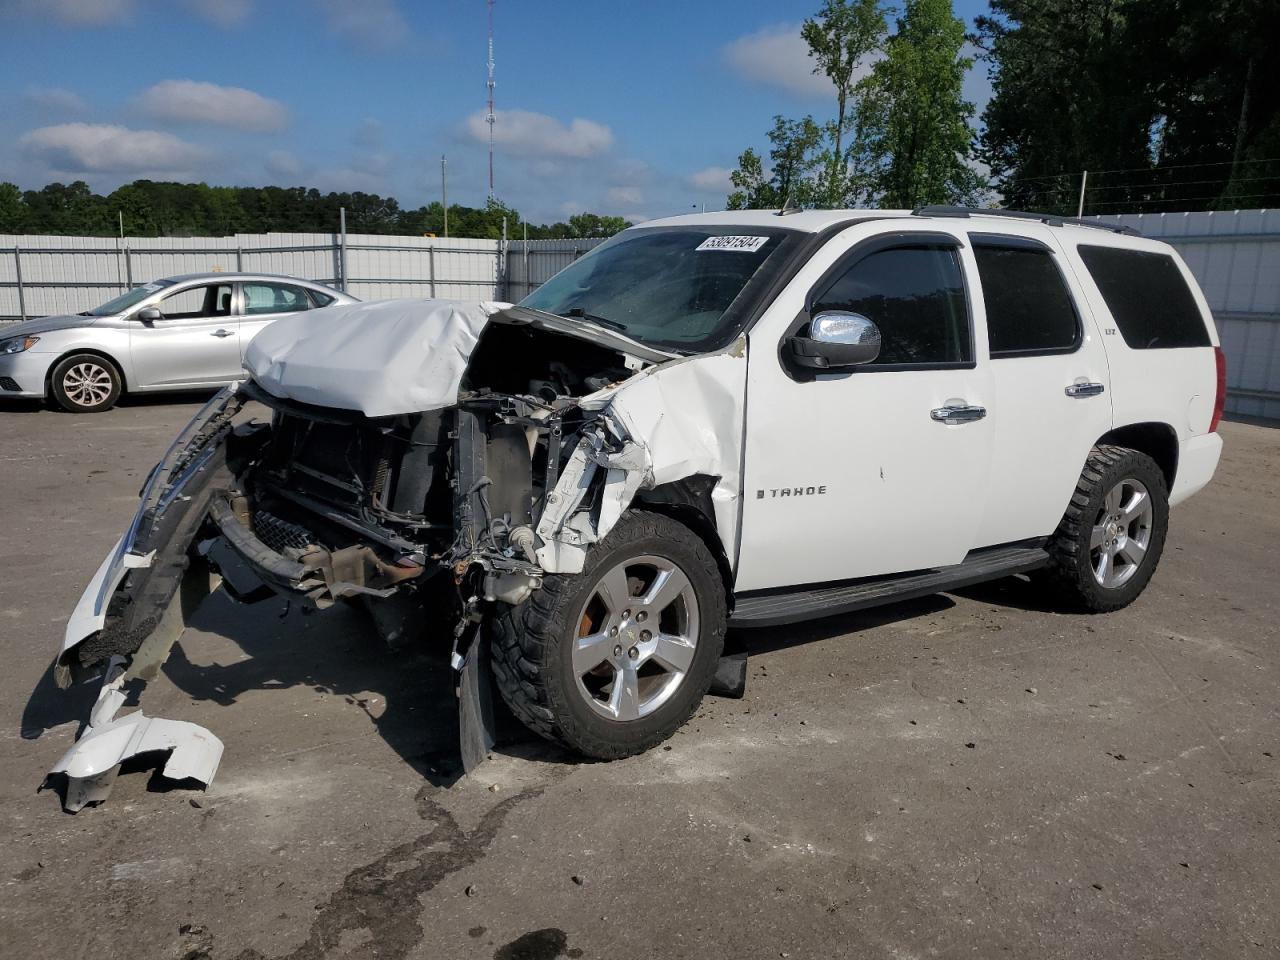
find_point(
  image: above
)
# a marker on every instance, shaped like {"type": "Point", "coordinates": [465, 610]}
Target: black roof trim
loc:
{"type": "Point", "coordinates": [1049, 219]}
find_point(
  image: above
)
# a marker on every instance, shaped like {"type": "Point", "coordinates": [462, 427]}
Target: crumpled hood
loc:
{"type": "Point", "coordinates": [381, 357]}
{"type": "Point", "coordinates": [33, 328]}
{"type": "Point", "coordinates": [389, 357]}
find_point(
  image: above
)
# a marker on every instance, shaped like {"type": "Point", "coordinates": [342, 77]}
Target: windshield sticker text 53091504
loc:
{"type": "Point", "coordinates": [733, 244]}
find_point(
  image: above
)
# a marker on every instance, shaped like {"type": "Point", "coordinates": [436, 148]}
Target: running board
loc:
{"type": "Point", "coordinates": [826, 600]}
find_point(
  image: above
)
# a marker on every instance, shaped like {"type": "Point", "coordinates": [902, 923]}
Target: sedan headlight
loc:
{"type": "Point", "coordinates": [17, 345]}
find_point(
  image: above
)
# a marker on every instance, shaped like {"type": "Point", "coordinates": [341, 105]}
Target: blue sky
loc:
{"type": "Point", "coordinates": [631, 108]}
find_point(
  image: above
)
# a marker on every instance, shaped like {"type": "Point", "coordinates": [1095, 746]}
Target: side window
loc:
{"type": "Point", "coordinates": [915, 295]}
{"type": "Point", "coordinates": [1029, 309]}
{"type": "Point", "coordinates": [1147, 296]}
{"type": "Point", "coordinates": [320, 299]}
{"type": "Point", "coordinates": [274, 298]}
{"type": "Point", "coordinates": [193, 303]}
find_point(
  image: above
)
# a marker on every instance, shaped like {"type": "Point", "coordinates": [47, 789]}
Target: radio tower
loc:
{"type": "Point", "coordinates": [490, 118]}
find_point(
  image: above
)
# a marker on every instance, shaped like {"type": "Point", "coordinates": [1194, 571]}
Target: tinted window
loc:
{"type": "Point", "coordinates": [274, 298]}
{"type": "Point", "coordinates": [1028, 307]}
{"type": "Point", "coordinates": [195, 302]}
{"type": "Point", "coordinates": [320, 299]}
{"type": "Point", "coordinates": [915, 295]}
{"type": "Point", "coordinates": [1147, 296]}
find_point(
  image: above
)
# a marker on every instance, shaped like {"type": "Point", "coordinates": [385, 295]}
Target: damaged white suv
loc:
{"type": "Point", "coordinates": [730, 419]}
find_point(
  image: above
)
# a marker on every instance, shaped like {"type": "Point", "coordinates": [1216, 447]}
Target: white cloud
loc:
{"type": "Point", "coordinates": [105, 148]}
{"type": "Point", "coordinates": [56, 99]}
{"type": "Point", "coordinates": [538, 133]}
{"type": "Point", "coordinates": [74, 13]}
{"type": "Point", "coordinates": [282, 163]}
{"type": "Point", "coordinates": [625, 196]}
{"type": "Point", "coordinates": [190, 101]}
{"type": "Point", "coordinates": [377, 24]}
{"type": "Point", "coordinates": [712, 178]}
{"type": "Point", "coordinates": [778, 57]}
{"type": "Point", "coordinates": [224, 13]}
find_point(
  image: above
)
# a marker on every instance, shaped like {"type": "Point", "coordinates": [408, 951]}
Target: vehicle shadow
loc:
{"type": "Point", "coordinates": [337, 652]}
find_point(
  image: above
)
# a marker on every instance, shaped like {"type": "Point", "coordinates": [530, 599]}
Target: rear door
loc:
{"type": "Point", "coordinates": [1052, 385]}
{"type": "Point", "coordinates": [194, 343]}
{"type": "Point", "coordinates": [864, 473]}
{"type": "Point", "coordinates": [264, 301]}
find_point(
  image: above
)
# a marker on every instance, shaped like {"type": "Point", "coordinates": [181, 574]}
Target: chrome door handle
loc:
{"type": "Point", "coordinates": [958, 413]}
{"type": "Point", "coordinates": [223, 333]}
{"type": "Point", "coordinates": [1079, 390]}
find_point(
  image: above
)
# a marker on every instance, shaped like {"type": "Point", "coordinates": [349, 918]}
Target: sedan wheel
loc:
{"type": "Point", "coordinates": [85, 383]}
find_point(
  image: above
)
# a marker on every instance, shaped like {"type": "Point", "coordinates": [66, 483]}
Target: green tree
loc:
{"type": "Point", "coordinates": [841, 37]}
{"type": "Point", "coordinates": [1068, 94]}
{"type": "Point", "coordinates": [795, 159]}
{"type": "Point", "coordinates": [13, 211]}
{"type": "Point", "coordinates": [914, 117]}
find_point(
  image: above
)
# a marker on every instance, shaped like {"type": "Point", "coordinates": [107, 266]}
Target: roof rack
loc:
{"type": "Point", "coordinates": [1048, 219]}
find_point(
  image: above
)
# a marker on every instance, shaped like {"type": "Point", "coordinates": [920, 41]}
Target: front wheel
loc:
{"type": "Point", "coordinates": [86, 383]}
{"type": "Point", "coordinates": [612, 661]}
{"type": "Point", "coordinates": [1111, 538]}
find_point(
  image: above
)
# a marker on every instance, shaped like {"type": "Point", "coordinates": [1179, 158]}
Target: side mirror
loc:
{"type": "Point", "coordinates": [149, 314]}
{"type": "Point", "coordinates": [836, 340]}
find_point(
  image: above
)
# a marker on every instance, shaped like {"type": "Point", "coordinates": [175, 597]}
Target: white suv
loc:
{"type": "Point", "coordinates": [733, 419]}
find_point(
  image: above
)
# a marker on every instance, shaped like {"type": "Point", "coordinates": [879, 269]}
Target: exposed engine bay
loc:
{"type": "Point", "coordinates": [465, 498]}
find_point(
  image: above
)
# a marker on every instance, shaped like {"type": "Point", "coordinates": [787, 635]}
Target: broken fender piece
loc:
{"type": "Point", "coordinates": [91, 765]}
{"type": "Point", "coordinates": [644, 440]}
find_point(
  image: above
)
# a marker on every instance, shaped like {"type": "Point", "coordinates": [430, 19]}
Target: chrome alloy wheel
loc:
{"type": "Point", "coordinates": [87, 384]}
{"type": "Point", "coordinates": [637, 635]}
{"type": "Point", "coordinates": [1121, 533]}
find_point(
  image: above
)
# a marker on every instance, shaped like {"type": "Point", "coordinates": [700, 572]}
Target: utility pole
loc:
{"type": "Point", "coordinates": [1084, 178]}
{"type": "Point", "coordinates": [444, 196]}
{"type": "Point", "coordinates": [490, 118]}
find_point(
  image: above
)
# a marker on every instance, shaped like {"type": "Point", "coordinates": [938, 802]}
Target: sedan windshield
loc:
{"type": "Point", "coordinates": [690, 288]}
{"type": "Point", "coordinates": [126, 300]}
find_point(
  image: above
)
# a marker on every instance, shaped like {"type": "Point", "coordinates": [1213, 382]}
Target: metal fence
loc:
{"type": "Point", "coordinates": [1235, 256]}
{"type": "Point", "coordinates": [42, 275]}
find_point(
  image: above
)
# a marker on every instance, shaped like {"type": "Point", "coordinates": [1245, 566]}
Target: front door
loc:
{"type": "Point", "coordinates": [195, 342]}
{"type": "Point", "coordinates": [883, 469]}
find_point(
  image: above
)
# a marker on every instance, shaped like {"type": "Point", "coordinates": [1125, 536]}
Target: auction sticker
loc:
{"type": "Point", "coordinates": [736, 244]}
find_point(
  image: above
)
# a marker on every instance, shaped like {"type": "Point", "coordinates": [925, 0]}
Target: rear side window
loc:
{"type": "Point", "coordinates": [915, 295]}
{"type": "Point", "coordinates": [320, 299]}
{"type": "Point", "coordinates": [1148, 298]}
{"type": "Point", "coordinates": [1029, 310]}
{"type": "Point", "coordinates": [274, 298]}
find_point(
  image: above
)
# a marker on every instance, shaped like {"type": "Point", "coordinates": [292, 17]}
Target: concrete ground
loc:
{"type": "Point", "coordinates": [969, 775]}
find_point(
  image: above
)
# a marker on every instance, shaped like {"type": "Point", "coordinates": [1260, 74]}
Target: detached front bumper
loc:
{"type": "Point", "coordinates": [127, 598]}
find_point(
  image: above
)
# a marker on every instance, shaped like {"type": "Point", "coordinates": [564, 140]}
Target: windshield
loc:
{"type": "Point", "coordinates": [126, 300]}
{"type": "Point", "coordinates": [690, 288]}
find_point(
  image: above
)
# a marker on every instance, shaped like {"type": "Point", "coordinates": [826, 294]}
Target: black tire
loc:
{"type": "Point", "coordinates": [532, 644]}
{"type": "Point", "coordinates": [1072, 574]}
{"type": "Point", "coordinates": [86, 383]}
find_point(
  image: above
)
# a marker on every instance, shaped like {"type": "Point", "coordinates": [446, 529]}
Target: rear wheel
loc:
{"type": "Point", "coordinates": [612, 661]}
{"type": "Point", "coordinates": [1110, 540]}
{"type": "Point", "coordinates": [86, 383]}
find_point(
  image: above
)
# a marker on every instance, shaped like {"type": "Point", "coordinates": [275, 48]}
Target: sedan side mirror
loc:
{"type": "Point", "coordinates": [149, 314]}
{"type": "Point", "coordinates": [837, 340]}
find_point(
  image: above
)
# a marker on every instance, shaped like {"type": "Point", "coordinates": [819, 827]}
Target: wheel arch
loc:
{"type": "Point", "coordinates": [688, 502]}
{"type": "Point", "coordinates": [89, 351]}
{"type": "Point", "coordinates": [1159, 441]}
